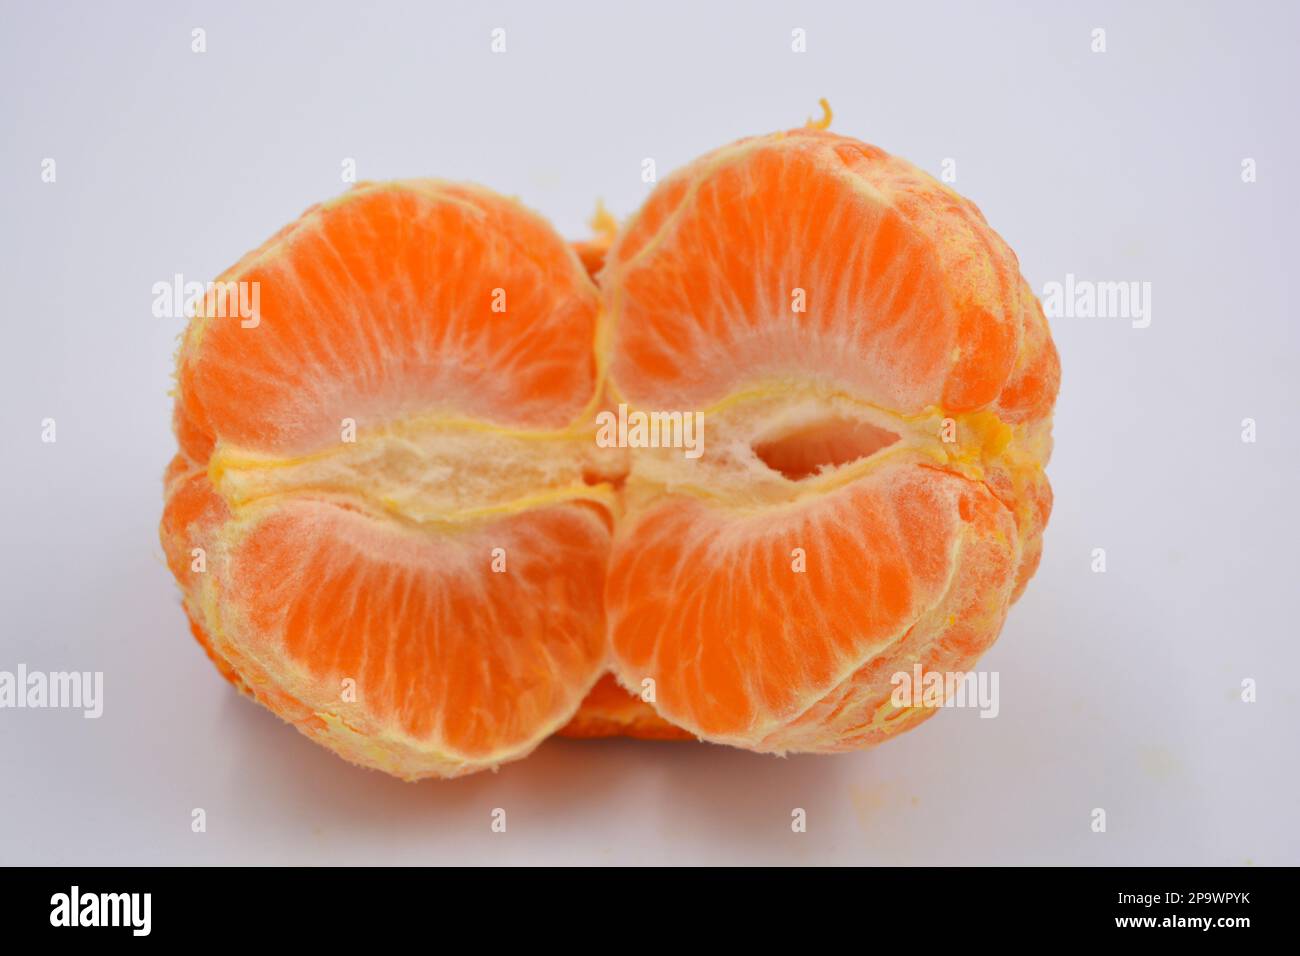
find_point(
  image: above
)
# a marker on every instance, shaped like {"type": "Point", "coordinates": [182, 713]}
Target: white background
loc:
{"type": "Point", "coordinates": [1118, 690]}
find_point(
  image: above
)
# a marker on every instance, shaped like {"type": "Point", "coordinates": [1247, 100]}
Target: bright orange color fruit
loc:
{"type": "Point", "coordinates": [394, 526]}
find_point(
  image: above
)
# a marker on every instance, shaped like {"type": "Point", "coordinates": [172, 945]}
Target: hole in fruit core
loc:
{"type": "Point", "coordinates": [823, 445]}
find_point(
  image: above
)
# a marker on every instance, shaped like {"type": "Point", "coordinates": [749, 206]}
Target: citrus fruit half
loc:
{"type": "Point", "coordinates": [877, 381]}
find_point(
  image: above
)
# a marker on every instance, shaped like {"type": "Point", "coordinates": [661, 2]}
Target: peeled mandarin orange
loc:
{"type": "Point", "coordinates": [393, 524]}
{"type": "Point", "coordinates": [878, 381]}
{"type": "Point", "coordinates": [426, 598]}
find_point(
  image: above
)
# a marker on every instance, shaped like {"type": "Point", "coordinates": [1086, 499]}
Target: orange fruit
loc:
{"type": "Point", "coordinates": [395, 525]}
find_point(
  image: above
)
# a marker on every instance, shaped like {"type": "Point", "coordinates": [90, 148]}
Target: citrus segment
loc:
{"type": "Point", "coordinates": [806, 253]}
{"type": "Point", "coordinates": [610, 711]}
{"type": "Point", "coordinates": [394, 300]}
{"type": "Point", "coordinates": [745, 621]}
{"type": "Point", "coordinates": [451, 663]}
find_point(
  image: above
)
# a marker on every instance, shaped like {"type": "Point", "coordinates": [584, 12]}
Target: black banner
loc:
{"type": "Point", "coordinates": [329, 905]}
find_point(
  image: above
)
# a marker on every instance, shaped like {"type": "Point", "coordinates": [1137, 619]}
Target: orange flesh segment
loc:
{"type": "Point", "coordinates": [808, 254]}
{"type": "Point", "coordinates": [610, 711]}
{"type": "Point", "coordinates": [394, 301]}
{"type": "Point", "coordinates": [441, 648]}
